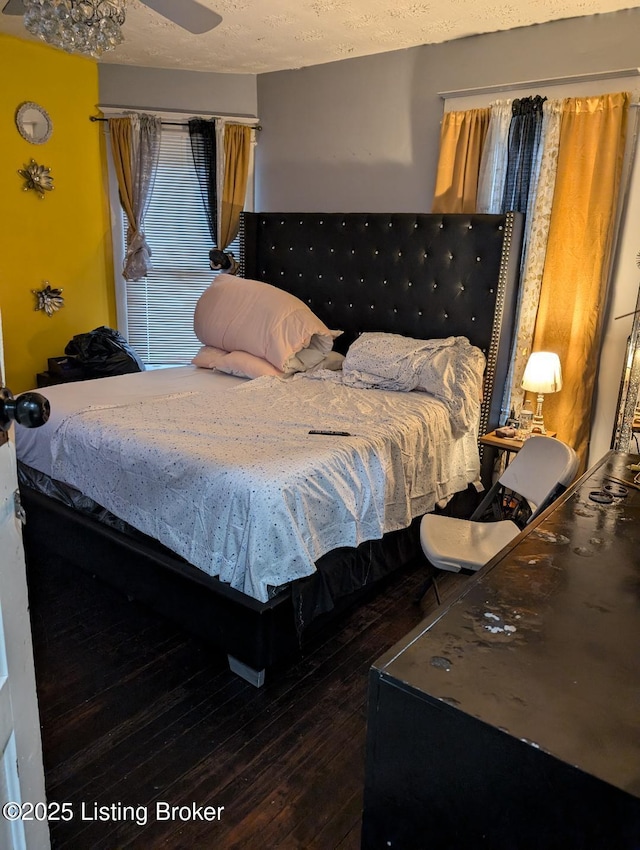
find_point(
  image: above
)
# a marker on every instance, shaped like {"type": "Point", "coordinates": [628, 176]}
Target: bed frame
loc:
{"type": "Point", "coordinates": [421, 275]}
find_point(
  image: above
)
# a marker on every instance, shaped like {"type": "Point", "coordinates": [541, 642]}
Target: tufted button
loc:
{"type": "Point", "coordinates": [462, 287]}
{"type": "Point", "coordinates": [311, 247]}
{"type": "Point", "coordinates": [350, 305]}
{"type": "Point", "coordinates": [399, 253]}
{"type": "Point", "coordinates": [319, 277]}
{"type": "Point", "coordinates": [395, 309]}
{"type": "Point", "coordinates": [372, 306]}
{"type": "Point", "coordinates": [473, 318]}
{"type": "Point", "coordinates": [332, 250]}
{"type": "Point", "coordinates": [409, 283]}
{"type": "Point", "coordinates": [291, 247]}
{"type": "Point", "coordinates": [446, 315]}
{"type": "Point", "coordinates": [477, 259]}
{"type": "Point", "coordinates": [470, 227]}
{"type": "Point", "coordinates": [435, 286]}
{"type": "Point", "coordinates": [419, 312]}
{"type": "Point", "coordinates": [321, 221]}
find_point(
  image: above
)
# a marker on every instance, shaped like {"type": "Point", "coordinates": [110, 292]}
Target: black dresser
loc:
{"type": "Point", "coordinates": [511, 718]}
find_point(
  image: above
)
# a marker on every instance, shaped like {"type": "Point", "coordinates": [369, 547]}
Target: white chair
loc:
{"type": "Point", "coordinates": [542, 470]}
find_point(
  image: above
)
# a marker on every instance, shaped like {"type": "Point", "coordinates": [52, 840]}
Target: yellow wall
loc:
{"type": "Point", "coordinates": [65, 238]}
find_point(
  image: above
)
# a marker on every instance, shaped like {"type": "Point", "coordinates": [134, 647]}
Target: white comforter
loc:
{"type": "Point", "coordinates": [232, 481]}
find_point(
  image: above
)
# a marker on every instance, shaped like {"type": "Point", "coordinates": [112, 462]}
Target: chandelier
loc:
{"type": "Point", "coordinates": [77, 26]}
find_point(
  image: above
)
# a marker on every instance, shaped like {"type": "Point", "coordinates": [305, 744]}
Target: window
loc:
{"type": "Point", "coordinates": [159, 308]}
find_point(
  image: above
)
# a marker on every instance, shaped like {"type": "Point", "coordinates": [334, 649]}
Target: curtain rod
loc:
{"type": "Point", "coordinates": [185, 123]}
{"type": "Point", "coordinates": [552, 81]}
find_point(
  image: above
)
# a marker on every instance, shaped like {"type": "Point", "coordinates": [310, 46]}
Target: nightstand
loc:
{"type": "Point", "coordinates": [507, 444]}
{"type": "Point", "coordinates": [61, 370]}
{"type": "Point", "coordinates": [511, 444]}
{"type": "Point", "coordinates": [47, 379]}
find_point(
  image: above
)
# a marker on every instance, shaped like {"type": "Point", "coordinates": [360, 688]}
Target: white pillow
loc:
{"type": "Point", "coordinates": [305, 359]}
{"type": "Point", "coordinates": [332, 361]}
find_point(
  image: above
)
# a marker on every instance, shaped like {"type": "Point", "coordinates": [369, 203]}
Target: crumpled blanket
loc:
{"type": "Point", "coordinates": [450, 369]}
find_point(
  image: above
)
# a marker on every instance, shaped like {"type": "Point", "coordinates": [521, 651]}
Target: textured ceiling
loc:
{"type": "Point", "coordinates": [257, 36]}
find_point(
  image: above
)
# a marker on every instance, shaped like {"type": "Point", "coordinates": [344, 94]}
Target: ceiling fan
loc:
{"type": "Point", "coordinates": [187, 14]}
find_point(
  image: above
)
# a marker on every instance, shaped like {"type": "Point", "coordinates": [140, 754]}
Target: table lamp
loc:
{"type": "Point", "coordinates": [542, 375]}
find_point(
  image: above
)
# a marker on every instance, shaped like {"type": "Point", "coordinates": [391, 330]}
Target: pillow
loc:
{"type": "Point", "coordinates": [236, 314]}
{"type": "Point", "coordinates": [239, 363]}
{"type": "Point", "coordinates": [306, 359]}
{"type": "Point", "coordinates": [333, 361]}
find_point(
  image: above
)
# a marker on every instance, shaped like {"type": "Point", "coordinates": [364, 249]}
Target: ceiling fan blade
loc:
{"type": "Point", "coordinates": [188, 14]}
{"type": "Point", "coordinates": [14, 7]}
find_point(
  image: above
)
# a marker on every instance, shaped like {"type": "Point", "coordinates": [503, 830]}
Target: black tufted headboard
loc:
{"type": "Point", "coordinates": [421, 275]}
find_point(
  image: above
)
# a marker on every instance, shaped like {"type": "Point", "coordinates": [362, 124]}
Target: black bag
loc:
{"type": "Point", "coordinates": [103, 352]}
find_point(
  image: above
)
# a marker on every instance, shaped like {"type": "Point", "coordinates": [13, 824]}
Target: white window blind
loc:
{"type": "Point", "coordinates": [160, 307]}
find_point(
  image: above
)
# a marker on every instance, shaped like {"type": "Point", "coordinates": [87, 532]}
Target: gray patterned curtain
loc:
{"type": "Point", "coordinates": [523, 166]}
{"type": "Point", "coordinates": [135, 145]}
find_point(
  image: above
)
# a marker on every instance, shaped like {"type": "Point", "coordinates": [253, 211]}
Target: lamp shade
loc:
{"type": "Point", "coordinates": [542, 373]}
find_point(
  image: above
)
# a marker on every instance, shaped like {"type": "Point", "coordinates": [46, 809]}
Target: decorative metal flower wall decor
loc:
{"type": "Point", "coordinates": [36, 177]}
{"type": "Point", "coordinates": [49, 299]}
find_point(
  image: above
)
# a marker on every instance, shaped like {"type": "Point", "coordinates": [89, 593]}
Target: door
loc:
{"type": "Point", "coordinates": [23, 825]}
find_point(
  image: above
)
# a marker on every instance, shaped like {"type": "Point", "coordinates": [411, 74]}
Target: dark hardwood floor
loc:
{"type": "Point", "coordinates": [136, 713]}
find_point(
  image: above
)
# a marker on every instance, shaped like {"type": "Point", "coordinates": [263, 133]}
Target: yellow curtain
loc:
{"type": "Point", "coordinates": [574, 283]}
{"type": "Point", "coordinates": [462, 137]}
{"type": "Point", "coordinates": [120, 137]}
{"type": "Point", "coordinates": [237, 148]}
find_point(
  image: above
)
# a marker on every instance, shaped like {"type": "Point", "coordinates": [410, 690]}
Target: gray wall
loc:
{"type": "Point", "coordinates": [362, 134]}
{"type": "Point", "coordinates": [186, 91]}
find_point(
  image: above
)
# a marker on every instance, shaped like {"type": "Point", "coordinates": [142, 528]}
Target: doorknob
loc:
{"type": "Point", "coordinates": [31, 410]}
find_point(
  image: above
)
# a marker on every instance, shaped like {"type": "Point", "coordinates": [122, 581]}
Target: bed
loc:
{"type": "Point", "coordinates": [419, 276]}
